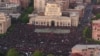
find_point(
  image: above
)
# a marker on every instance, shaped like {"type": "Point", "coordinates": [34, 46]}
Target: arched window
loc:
{"type": "Point", "coordinates": [53, 23]}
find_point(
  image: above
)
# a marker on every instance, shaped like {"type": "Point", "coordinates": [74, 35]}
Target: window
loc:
{"type": "Point", "coordinates": [47, 23]}
{"type": "Point", "coordinates": [1, 18]}
{"type": "Point", "coordinates": [84, 50]}
{"type": "Point", "coordinates": [0, 25]}
{"type": "Point", "coordinates": [98, 39]}
{"type": "Point", "coordinates": [41, 22]}
{"type": "Point", "coordinates": [32, 22]}
{"type": "Point", "coordinates": [44, 23]}
{"type": "Point", "coordinates": [68, 24]}
{"type": "Point", "coordinates": [98, 35]}
{"type": "Point", "coordinates": [98, 29]}
{"type": "Point", "coordinates": [36, 22]}
{"type": "Point", "coordinates": [91, 52]}
{"type": "Point", "coordinates": [94, 28]}
{"type": "Point", "coordinates": [57, 23]}
{"type": "Point", "coordinates": [60, 23]}
{"type": "Point", "coordinates": [91, 55]}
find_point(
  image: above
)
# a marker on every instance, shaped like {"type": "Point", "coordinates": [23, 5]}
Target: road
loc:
{"type": "Point", "coordinates": [86, 17]}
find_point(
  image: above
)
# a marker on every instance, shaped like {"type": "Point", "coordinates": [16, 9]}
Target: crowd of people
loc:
{"type": "Point", "coordinates": [25, 39]}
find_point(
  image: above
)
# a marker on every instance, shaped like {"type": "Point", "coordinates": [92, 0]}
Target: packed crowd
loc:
{"type": "Point", "coordinates": [25, 39]}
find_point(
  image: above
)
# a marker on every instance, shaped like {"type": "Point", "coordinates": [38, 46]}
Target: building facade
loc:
{"type": "Point", "coordinates": [39, 5]}
{"type": "Point", "coordinates": [87, 50]}
{"type": "Point", "coordinates": [10, 9]}
{"type": "Point", "coordinates": [15, 1]}
{"type": "Point", "coordinates": [78, 9]}
{"type": "Point", "coordinates": [5, 23]}
{"type": "Point", "coordinates": [24, 3]}
{"type": "Point", "coordinates": [63, 3]}
{"type": "Point", "coordinates": [53, 17]}
{"type": "Point", "coordinates": [96, 30]}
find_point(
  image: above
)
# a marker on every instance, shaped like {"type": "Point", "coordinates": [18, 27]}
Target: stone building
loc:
{"type": "Point", "coordinates": [10, 9]}
{"type": "Point", "coordinates": [87, 50]}
{"type": "Point", "coordinates": [63, 3]}
{"type": "Point", "coordinates": [53, 17]}
{"type": "Point", "coordinates": [22, 3]}
{"type": "Point", "coordinates": [5, 23]}
{"type": "Point", "coordinates": [15, 1]}
{"type": "Point", "coordinates": [39, 5]}
{"type": "Point", "coordinates": [78, 9]}
{"type": "Point", "coordinates": [96, 30]}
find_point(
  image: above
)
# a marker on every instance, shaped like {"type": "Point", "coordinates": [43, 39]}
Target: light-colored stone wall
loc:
{"type": "Point", "coordinates": [53, 9]}
{"type": "Point", "coordinates": [15, 1]}
{"type": "Point", "coordinates": [46, 21]}
{"type": "Point", "coordinates": [39, 5]}
{"type": "Point", "coordinates": [53, 14]}
{"type": "Point", "coordinates": [74, 18]}
{"type": "Point", "coordinates": [5, 23]}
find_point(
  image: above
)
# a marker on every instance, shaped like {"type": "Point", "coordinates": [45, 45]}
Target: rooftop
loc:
{"type": "Point", "coordinates": [96, 21]}
{"type": "Point", "coordinates": [8, 5]}
{"type": "Point", "coordinates": [81, 47]}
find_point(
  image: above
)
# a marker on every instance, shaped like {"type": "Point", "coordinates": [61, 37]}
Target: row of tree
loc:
{"type": "Point", "coordinates": [24, 16]}
{"type": "Point", "coordinates": [87, 32]}
{"type": "Point", "coordinates": [14, 52]}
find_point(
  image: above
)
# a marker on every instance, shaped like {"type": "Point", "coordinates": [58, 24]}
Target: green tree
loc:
{"type": "Point", "coordinates": [50, 55]}
{"type": "Point", "coordinates": [24, 16]}
{"type": "Point", "coordinates": [30, 10]}
{"type": "Point", "coordinates": [37, 53]}
{"type": "Point", "coordinates": [12, 52]}
{"type": "Point", "coordinates": [1, 54]}
{"type": "Point", "coordinates": [87, 32]}
{"type": "Point", "coordinates": [98, 16]}
{"type": "Point", "coordinates": [25, 19]}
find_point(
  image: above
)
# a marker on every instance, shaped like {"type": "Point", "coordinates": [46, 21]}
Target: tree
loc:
{"type": "Point", "coordinates": [50, 55]}
{"type": "Point", "coordinates": [1, 54]}
{"type": "Point", "coordinates": [98, 16]}
{"type": "Point", "coordinates": [87, 32]}
{"type": "Point", "coordinates": [76, 54]}
{"type": "Point", "coordinates": [24, 16]}
{"type": "Point", "coordinates": [25, 19]}
{"type": "Point", "coordinates": [13, 52]}
{"type": "Point", "coordinates": [37, 53]}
